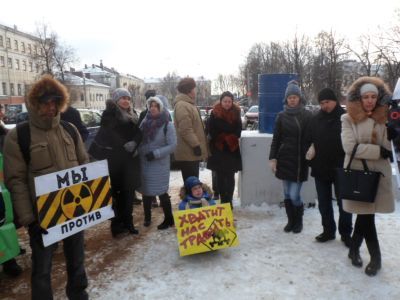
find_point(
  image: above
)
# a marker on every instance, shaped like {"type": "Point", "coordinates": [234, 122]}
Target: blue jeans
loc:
{"type": "Point", "coordinates": [324, 191]}
{"type": "Point", "coordinates": [291, 190]}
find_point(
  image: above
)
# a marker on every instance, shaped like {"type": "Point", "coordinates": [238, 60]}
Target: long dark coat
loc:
{"type": "Point", "coordinates": [324, 132]}
{"type": "Point", "coordinates": [109, 143]}
{"type": "Point", "coordinates": [289, 145]}
{"type": "Point", "coordinates": [224, 130]}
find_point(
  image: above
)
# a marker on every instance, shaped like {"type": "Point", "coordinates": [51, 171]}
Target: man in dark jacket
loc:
{"type": "Point", "coordinates": [325, 155]}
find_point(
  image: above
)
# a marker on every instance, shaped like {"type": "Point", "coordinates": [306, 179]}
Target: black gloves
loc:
{"type": "Point", "coordinates": [386, 153]}
{"type": "Point", "coordinates": [197, 151]}
{"type": "Point", "coordinates": [36, 231]}
{"type": "Point", "coordinates": [391, 132]}
{"type": "Point", "coordinates": [150, 156]}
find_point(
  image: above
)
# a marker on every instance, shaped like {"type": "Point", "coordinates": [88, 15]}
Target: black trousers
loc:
{"type": "Point", "coordinates": [365, 226]}
{"type": "Point", "coordinates": [215, 184]}
{"type": "Point", "coordinates": [189, 168]}
{"type": "Point", "coordinates": [226, 185]}
{"type": "Point", "coordinates": [42, 262]}
{"type": "Point", "coordinates": [123, 207]}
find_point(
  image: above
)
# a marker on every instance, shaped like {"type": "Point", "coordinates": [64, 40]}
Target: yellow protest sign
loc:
{"type": "Point", "coordinates": [74, 199]}
{"type": "Point", "coordinates": [205, 229]}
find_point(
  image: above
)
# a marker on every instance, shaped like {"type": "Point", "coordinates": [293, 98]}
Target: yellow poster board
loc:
{"type": "Point", "coordinates": [205, 229]}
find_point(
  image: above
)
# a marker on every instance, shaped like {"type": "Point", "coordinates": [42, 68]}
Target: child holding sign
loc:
{"type": "Point", "coordinates": [195, 194]}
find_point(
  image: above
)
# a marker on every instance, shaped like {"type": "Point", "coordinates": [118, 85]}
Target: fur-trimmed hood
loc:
{"type": "Point", "coordinates": [354, 106]}
{"type": "Point", "coordinates": [45, 87]}
{"type": "Point", "coordinates": [358, 114]}
{"type": "Point", "coordinates": [384, 95]}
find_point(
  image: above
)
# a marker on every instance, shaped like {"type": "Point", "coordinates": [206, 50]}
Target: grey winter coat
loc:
{"type": "Point", "coordinates": [155, 173]}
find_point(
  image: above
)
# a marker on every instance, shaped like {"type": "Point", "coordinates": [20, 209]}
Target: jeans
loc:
{"type": "Point", "coordinates": [291, 190]}
{"type": "Point", "coordinates": [324, 191]}
{"type": "Point", "coordinates": [41, 267]}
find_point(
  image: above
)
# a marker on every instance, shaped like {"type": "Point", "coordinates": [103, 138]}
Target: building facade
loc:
{"type": "Point", "coordinates": [17, 66]}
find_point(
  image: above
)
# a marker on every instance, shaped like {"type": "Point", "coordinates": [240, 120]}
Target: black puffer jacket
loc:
{"type": "Point", "coordinates": [324, 132]}
{"type": "Point", "coordinates": [109, 143]}
{"type": "Point", "coordinates": [289, 144]}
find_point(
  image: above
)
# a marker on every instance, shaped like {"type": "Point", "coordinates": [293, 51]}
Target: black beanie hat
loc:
{"type": "Point", "coordinates": [327, 94]}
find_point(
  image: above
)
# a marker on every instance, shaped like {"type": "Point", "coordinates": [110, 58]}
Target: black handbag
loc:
{"type": "Point", "coordinates": [357, 185]}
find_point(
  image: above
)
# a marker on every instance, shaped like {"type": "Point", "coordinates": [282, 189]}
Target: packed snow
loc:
{"type": "Point", "coordinates": [267, 264]}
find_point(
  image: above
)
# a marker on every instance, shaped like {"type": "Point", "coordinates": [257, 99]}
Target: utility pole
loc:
{"type": "Point", "coordinates": [84, 89]}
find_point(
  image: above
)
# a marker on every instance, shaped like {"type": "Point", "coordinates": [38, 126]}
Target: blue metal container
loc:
{"type": "Point", "coordinates": [271, 91]}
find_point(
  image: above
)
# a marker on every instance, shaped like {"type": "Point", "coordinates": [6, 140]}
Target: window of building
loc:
{"type": "Point", "coordinates": [30, 66]}
{"type": "Point", "coordinates": [16, 45]}
{"type": "Point", "coordinates": [37, 68]}
{"type": "Point", "coordinates": [4, 88]}
{"type": "Point", "coordinates": [1, 41]}
{"type": "Point", "coordinates": [82, 97]}
{"type": "Point", "coordinates": [12, 89]}
{"type": "Point", "coordinates": [35, 50]}
{"type": "Point", "coordinates": [24, 65]}
{"type": "Point", "coordinates": [8, 43]}
{"type": "Point", "coordinates": [19, 89]}
{"type": "Point", "coordinates": [23, 47]}
{"type": "Point", "coordinates": [29, 49]}
{"type": "Point", "coordinates": [17, 64]}
{"type": "Point", "coordinates": [9, 62]}
{"type": "Point", "coordinates": [2, 61]}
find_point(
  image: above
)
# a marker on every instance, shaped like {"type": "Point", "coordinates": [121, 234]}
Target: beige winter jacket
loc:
{"type": "Point", "coordinates": [52, 149]}
{"type": "Point", "coordinates": [189, 130]}
{"type": "Point", "coordinates": [370, 133]}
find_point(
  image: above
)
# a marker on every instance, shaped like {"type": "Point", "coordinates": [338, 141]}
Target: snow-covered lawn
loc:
{"type": "Point", "coordinates": [268, 264]}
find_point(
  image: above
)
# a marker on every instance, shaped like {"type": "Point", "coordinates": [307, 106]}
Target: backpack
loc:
{"type": "Point", "coordinates": [24, 137]}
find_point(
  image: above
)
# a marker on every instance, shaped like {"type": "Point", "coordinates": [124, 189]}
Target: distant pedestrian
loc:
{"type": "Point", "coordinates": [287, 153]}
{"type": "Point", "coordinates": [72, 115]}
{"type": "Point", "coordinates": [365, 125]}
{"type": "Point", "coordinates": [117, 141]}
{"type": "Point", "coordinates": [326, 154]}
{"type": "Point", "coordinates": [224, 129]}
{"type": "Point", "coordinates": [192, 143]}
{"type": "Point", "coordinates": [159, 141]}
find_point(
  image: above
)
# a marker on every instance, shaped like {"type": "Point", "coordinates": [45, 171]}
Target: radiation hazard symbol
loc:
{"type": "Point", "coordinates": [219, 237]}
{"type": "Point", "coordinates": [73, 201]}
{"type": "Point", "coordinates": [76, 201]}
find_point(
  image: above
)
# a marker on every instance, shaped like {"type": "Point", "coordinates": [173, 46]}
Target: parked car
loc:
{"type": "Point", "coordinates": [251, 116]}
{"type": "Point", "coordinates": [91, 119]}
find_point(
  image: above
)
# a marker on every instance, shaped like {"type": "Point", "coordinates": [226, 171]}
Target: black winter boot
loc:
{"type": "Point", "coordinates": [375, 264]}
{"type": "Point", "coordinates": [165, 200]}
{"type": "Point", "coordinates": [290, 215]}
{"type": "Point", "coordinates": [354, 253]}
{"type": "Point", "coordinates": [117, 227]}
{"type": "Point", "coordinates": [325, 236]}
{"type": "Point", "coordinates": [147, 201]}
{"type": "Point", "coordinates": [11, 268]}
{"type": "Point", "coordinates": [298, 219]}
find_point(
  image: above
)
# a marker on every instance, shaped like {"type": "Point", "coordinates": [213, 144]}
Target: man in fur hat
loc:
{"type": "Point", "coordinates": [51, 149]}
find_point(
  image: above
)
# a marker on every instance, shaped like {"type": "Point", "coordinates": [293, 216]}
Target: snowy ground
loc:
{"type": "Point", "coordinates": [268, 263]}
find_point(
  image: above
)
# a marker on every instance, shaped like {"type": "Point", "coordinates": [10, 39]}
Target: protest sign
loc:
{"type": "Point", "coordinates": [205, 229]}
{"type": "Point", "coordinates": [72, 200]}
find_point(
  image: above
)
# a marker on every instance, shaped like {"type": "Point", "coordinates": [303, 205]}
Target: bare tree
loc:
{"type": "Point", "coordinates": [64, 57]}
{"type": "Point", "coordinates": [43, 50]}
{"type": "Point", "coordinates": [168, 85]}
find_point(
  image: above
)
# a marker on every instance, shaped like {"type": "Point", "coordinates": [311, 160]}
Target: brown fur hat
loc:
{"type": "Point", "coordinates": [186, 85]}
{"type": "Point", "coordinates": [47, 87]}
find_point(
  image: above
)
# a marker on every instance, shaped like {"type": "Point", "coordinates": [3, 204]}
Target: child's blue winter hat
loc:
{"type": "Point", "coordinates": [190, 182]}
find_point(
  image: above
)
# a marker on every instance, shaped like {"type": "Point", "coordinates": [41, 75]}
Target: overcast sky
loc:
{"type": "Point", "coordinates": [150, 38]}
